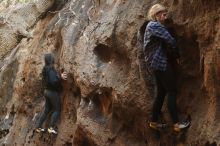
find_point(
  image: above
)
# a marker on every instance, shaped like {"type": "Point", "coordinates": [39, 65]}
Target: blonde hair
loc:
{"type": "Point", "coordinates": [155, 9]}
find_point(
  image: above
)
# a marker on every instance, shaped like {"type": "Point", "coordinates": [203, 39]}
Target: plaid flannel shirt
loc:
{"type": "Point", "coordinates": [155, 55]}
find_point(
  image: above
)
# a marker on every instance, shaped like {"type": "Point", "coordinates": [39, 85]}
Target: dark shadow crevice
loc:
{"type": "Point", "coordinates": [81, 138]}
{"type": "Point", "coordinates": [210, 144]}
{"type": "Point", "coordinates": [103, 52]}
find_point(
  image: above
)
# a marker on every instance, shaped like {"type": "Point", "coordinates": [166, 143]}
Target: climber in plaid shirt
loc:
{"type": "Point", "coordinates": [157, 45]}
{"type": "Point", "coordinates": [155, 55]}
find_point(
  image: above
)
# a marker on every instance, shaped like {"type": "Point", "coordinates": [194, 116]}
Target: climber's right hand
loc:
{"type": "Point", "coordinates": [64, 75]}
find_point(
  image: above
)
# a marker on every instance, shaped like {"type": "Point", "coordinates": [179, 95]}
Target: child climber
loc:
{"type": "Point", "coordinates": [52, 90]}
{"type": "Point", "coordinates": [159, 50]}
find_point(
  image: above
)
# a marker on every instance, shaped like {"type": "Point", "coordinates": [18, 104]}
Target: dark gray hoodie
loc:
{"type": "Point", "coordinates": [51, 79]}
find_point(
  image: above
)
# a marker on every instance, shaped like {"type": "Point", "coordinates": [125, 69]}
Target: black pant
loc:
{"type": "Point", "coordinates": [53, 103]}
{"type": "Point", "coordinates": [166, 85]}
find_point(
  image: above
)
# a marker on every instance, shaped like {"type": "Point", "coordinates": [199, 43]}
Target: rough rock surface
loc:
{"type": "Point", "coordinates": [15, 21]}
{"type": "Point", "coordinates": [105, 101]}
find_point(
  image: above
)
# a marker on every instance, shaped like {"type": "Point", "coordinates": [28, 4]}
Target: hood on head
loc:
{"type": "Point", "coordinates": [49, 59]}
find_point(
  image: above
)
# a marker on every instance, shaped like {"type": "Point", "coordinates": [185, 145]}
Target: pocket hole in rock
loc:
{"type": "Point", "coordinates": [175, 2]}
{"type": "Point", "coordinates": [118, 56]}
{"type": "Point", "coordinates": [210, 144]}
{"type": "Point", "coordinates": [100, 105]}
{"type": "Point", "coordinates": [103, 52]}
{"type": "Point", "coordinates": [84, 102]}
{"type": "Point", "coordinates": [3, 133]}
{"type": "Point", "coordinates": [80, 138]}
{"type": "Point", "coordinates": [68, 144]}
{"type": "Point", "coordinates": [103, 101]}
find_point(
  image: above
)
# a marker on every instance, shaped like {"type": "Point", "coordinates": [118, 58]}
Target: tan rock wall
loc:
{"type": "Point", "coordinates": [105, 101]}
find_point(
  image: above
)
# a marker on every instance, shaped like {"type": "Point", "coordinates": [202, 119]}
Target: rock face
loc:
{"type": "Point", "coordinates": [105, 100]}
{"type": "Point", "coordinates": [16, 21]}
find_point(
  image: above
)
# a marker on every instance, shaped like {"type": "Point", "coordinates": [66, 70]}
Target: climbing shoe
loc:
{"type": "Point", "coordinates": [39, 130]}
{"type": "Point", "coordinates": [180, 126]}
{"type": "Point", "coordinates": [157, 126]}
{"type": "Point", "coordinates": [51, 130]}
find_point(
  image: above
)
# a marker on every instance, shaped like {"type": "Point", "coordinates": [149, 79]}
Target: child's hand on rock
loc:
{"type": "Point", "coordinates": [64, 75]}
